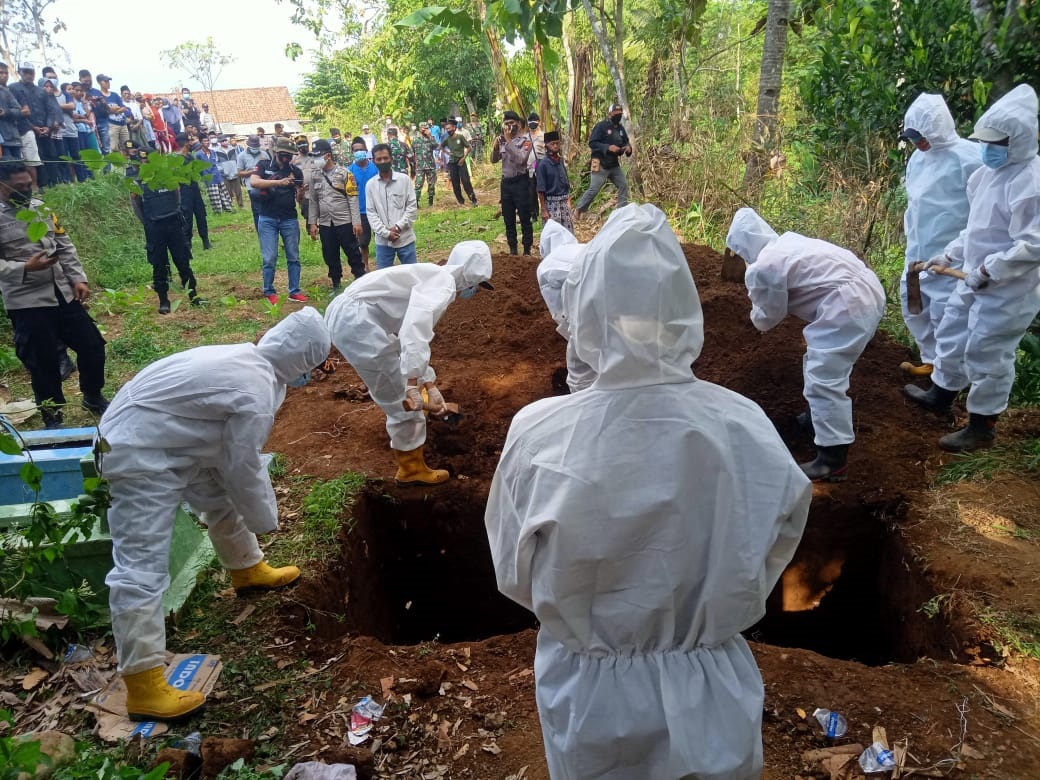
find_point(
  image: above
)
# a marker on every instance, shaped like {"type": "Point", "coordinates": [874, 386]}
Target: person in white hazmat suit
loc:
{"type": "Point", "coordinates": [560, 253]}
{"type": "Point", "coordinates": [841, 299]}
{"type": "Point", "coordinates": [936, 212]}
{"type": "Point", "coordinates": [190, 427]}
{"type": "Point", "coordinates": [999, 249]}
{"type": "Point", "coordinates": [383, 324]}
{"type": "Point", "coordinates": [644, 521]}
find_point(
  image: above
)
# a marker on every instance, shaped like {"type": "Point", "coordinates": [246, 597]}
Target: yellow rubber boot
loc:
{"type": "Point", "coordinates": [412, 469]}
{"type": "Point", "coordinates": [263, 577]}
{"type": "Point", "coordinates": [925, 369]}
{"type": "Point", "coordinates": [150, 697]}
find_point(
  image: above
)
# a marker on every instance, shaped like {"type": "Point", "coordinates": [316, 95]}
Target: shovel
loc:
{"type": "Point", "coordinates": [733, 267]}
{"type": "Point", "coordinates": [914, 303]}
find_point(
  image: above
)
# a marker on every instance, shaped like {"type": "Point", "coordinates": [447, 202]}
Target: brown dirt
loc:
{"type": "Point", "coordinates": [415, 565]}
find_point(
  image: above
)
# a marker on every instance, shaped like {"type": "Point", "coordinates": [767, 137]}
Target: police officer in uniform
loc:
{"type": "Point", "coordinates": [43, 287]}
{"type": "Point", "coordinates": [192, 205]}
{"type": "Point", "coordinates": [160, 213]}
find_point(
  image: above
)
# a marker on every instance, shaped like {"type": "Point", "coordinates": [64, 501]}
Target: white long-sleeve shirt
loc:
{"type": "Point", "coordinates": [388, 203]}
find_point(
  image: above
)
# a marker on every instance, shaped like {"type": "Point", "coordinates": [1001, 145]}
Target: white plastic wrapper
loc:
{"type": "Point", "coordinates": [834, 724]}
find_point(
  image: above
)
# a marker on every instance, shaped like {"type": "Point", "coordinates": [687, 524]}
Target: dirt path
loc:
{"type": "Point", "coordinates": [877, 548]}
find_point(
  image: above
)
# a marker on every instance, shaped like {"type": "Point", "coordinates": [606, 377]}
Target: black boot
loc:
{"type": "Point", "coordinates": [512, 249]}
{"type": "Point", "coordinates": [94, 402]}
{"type": "Point", "coordinates": [207, 244]}
{"type": "Point", "coordinates": [831, 464]}
{"type": "Point", "coordinates": [164, 301]}
{"type": "Point", "coordinates": [935, 399]}
{"type": "Point", "coordinates": [65, 365]}
{"type": "Point", "coordinates": [429, 202]}
{"type": "Point", "coordinates": [52, 417]}
{"type": "Point", "coordinates": [193, 296]}
{"type": "Point", "coordinates": [978, 434]}
{"type": "Point", "coordinates": [527, 250]}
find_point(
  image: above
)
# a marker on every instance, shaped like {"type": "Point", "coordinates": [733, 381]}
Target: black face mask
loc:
{"type": "Point", "coordinates": [21, 198]}
{"type": "Point", "coordinates": [384, 167]}
{"type": "Point", "coordinates": [532, 125]}
{"type": "Point", "coordinates": [615, 118]}
{"type": "Point", "coordinates": [284, 159]}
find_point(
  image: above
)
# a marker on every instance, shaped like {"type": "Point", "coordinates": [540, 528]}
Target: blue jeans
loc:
{"type": "Point", "coordinates": [103, 138]}
{"type": "Point", "coordinates": [385, 255]}
{"type": "Point", "coordinates": [269, 229]}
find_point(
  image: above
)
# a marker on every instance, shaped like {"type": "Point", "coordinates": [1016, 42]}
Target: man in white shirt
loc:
{"type": "Point", "coordinates": [392, 210]}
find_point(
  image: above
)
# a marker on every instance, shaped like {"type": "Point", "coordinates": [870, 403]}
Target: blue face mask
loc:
{"type": "Point", "coordinates": [994, 156]}
{"type": "Point", "coordinates": [468, 292]}
{"type": "Point", "coordinates": [301, 380]}
{"type": "Point", "coordinates": [359, 156]}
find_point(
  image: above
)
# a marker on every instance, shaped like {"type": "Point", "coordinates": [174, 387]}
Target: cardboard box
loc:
{"type": "Point", "coordinates": [198, 672]}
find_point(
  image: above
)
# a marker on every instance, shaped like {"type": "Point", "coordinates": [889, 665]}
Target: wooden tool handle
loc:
{"type": "Point", "coordinates": [918, 267]}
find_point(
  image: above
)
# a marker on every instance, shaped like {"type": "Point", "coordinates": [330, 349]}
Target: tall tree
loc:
{"type": "Point", "coordinates": [766, 139]}
{"type": "Point", "coordinates": [203, 62]}
{"type": "Point", "coordinates": [25, 27]}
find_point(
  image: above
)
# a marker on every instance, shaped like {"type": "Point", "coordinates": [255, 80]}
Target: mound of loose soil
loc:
{"type": "Point", "coordinates": [415, 567]}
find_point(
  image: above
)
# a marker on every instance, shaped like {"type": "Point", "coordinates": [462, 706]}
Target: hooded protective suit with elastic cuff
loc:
{"type": "Point", "coordinates": [644, 521]}
{"type": "Point", "coordinates": [829, 288]}
{"type": "Point", "coordinates": [190, 428]}
{"type": "Point", "coordinates": [383, 325]}
{"type": "Point", "coordinates": [980, 329]}
{"type": "Point", "coordinates": [937, 210]}
{"type": "Point", "coordinates": [552, 273]}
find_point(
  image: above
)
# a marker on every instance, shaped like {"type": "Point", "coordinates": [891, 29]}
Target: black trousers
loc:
{"type": "Point", "coordinates": [335, 238]}
{"type": "Point", "coordinates": [49, 174]}
{"type": "Point", "coordinates": [164, 240]}
{"type": "Point", "coordinates": [192, 207]}
{"type": "Point", "coordinates": [460, 178]}
{"type": "Point", "coordinates": [37, 335]}
{"type": "Point", "coordinates": [516, 201]}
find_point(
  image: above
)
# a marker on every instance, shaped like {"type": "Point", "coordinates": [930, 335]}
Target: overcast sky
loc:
{"type": "Point", "coordinates": [124, 42]}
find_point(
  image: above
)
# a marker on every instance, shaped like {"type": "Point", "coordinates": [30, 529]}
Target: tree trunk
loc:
{"type": "Point", "coordinates": [767, 128]}
{"type": "Point", "coordinates": [544, 110]}
{"type": "Point", "coordinates": [573, 90]}
{"type": "Point", "coordinates": [634, 130]}
{"type": "Point", "coordinates": [505, 88]}
{"type": "Point", "coordinates": [989, 23]}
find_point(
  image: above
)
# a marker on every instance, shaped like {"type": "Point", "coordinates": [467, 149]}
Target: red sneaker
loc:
{"type": "Point", "coordinates": [299, 297]}
{"type": "Point", "coordinates": [272, 298]}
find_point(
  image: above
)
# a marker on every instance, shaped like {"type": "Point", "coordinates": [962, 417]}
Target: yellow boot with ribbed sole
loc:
{"type": "Point", "coordinates": [150, 697]}
{"type": "Point", "coordinates": [412, 469]}
{"type": "Point", "coordinates": [908, 368]}
{"type": "Point", "coordinates": [263, 577]}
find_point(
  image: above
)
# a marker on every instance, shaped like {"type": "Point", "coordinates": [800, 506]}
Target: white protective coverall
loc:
{"type": "Point", "coordinates": [644, 521]}
{"type": "Point", "coordinates": [980, 330]}
{"type": "Point", "coordinates": [561, 253]}
{"type": "Point", "coordinates": [189, 428]}
{"type": "Point", "coordinates": [383, 324]}
{"type": "Point", "coordinates": [936, 210]}
{"type": "Point", "coordinates": [829, 288]}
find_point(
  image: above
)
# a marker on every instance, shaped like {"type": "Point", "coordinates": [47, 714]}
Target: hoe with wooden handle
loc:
{"type": "Point", "coordinates": [914, 303]}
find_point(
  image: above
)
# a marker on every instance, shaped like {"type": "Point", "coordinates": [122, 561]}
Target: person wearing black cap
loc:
{"type": "Point", "coordinates": [608, 142]}
{"type": "Point", "coordinates": [192, 206]}
{"type": "Point", "coordinates": [458, 149]}
{"type": "Point", "coordinates": [514, 149]}
{"type": "Point", "coordinates": [554, 189]}
{"type": "Point", "coordinates": [334, 215]}
{"type": "Point", "coordinates": [160, 213]}
{"type": "Point", "coordinates": [248, 159]}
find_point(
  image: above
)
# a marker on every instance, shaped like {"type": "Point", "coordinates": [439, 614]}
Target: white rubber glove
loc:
{"type": "Point", "coordinates": [977, 279]}
{"type": "Point", "coordinates": [939, 261]}
{"type": "Point", "coordinates": [436, 399]}
{"type": "Point", "coordinates": [413, 399]}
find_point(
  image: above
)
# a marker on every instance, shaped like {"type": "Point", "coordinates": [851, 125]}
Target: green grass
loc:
{"type": "Point", "coordinates": [1019, 634]}
{"type": "Point", "coordinates": [1019, 457]}
{"type": "Point", "coordinates": [326, 507]}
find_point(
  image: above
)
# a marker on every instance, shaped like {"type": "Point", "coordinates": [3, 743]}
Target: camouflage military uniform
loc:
{"type": "Point", "coordinates": [339, 156]}
{"type": "Point", "coordinates": [476, 140]}
{"type": "Point", "coordinates": [399, 154]}
{"type": "Point", "coordinates": [426, 150]}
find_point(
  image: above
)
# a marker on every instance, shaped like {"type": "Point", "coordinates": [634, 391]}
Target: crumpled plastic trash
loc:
{"type": "Point", "coordinates": [365, 713]}
{"type": "Point", "coordinates": [877, 758]}
{"type": "Point", "coordinates": [834, 724]}
{"type": "Point", "coordinates": [77, 654]}
{"type": "Point", "coordinates": [316, 770]}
